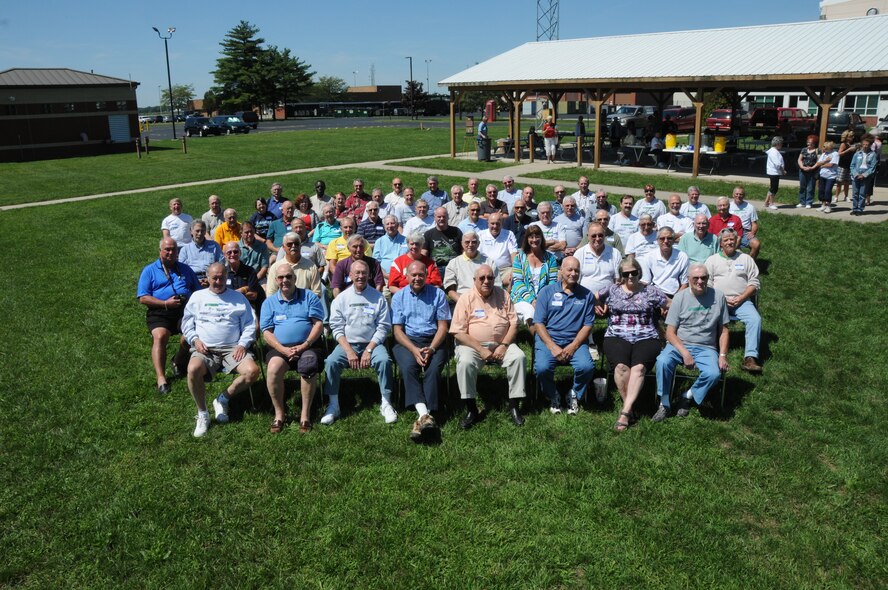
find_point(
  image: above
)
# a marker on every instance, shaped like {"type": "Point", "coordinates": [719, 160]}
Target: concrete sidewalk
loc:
{"type": "Point", "coordinates": [875, 213]}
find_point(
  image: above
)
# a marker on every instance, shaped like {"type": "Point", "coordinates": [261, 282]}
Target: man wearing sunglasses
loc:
{"type": "Point", "coordinates": [665, 267]}
{"type": "Point", "coordinates": [697, 337]}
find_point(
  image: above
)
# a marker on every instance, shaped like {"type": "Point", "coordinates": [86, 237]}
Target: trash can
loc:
{"type": "Point", "coordinates": [483, 149]}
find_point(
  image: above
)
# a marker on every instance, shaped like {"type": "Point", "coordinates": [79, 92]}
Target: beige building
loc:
{"type": "Point", "coordinates": [833, 9]}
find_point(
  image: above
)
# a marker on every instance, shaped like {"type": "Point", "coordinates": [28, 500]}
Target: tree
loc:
{"type": "Point", "coordinates": [210, 102]}
{"type": "Point", "coordinates": [329, 89]}
{"type": "Point", "coordinates": [238, 72]}
{"type": "Point", "coordinates": [182, 95]}
{"type": "Point", "coordinates": [285, 77]}
{"type": "Point", "coordinates": [415, 98]}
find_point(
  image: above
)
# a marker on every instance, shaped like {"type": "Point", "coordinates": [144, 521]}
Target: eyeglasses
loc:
{"type": "Point", "coordinates": [706, 278]}
{"type": "Point", "coordinates": [290, 245]}
{"type": "Point", "coordinates": [594, 236]}
{"type": "Point", "coordinates": [520, 208]}
{"type": "Point", "coordinates": [645, 225]}
{"type": "Point", "coordinates": [282, 277]}
{"type": "Point", "coordinates": [629, 273]}
{"type": "Point", "coordinates": [648, 190]}
{"type": "Point", "coordinates": [665, 239]}
{"type": "Point", "coordinates": [560, 192]}
{"type": "Point", "coordinates": [485, 278]}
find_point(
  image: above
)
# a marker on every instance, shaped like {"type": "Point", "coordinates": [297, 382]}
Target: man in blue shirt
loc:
{"type": "Point", "coordinates": [420, 316]}
{"type": "Point", "coordinates": [276, 200]}
{"type": "Point", "coordinates": [291, 321]}
{"type": "Point", "coordinates": [164, 287]}
{"type": "Point", "coordinates": [562, 321]}
{"type": "Point", "coordinates": [435, 197]}
{"type": "Point", "coordinates": [389, 246]}
{"type": "Point", "coordinates": [200, 252]}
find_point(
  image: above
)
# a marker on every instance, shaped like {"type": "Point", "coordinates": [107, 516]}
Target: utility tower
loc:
{"type": "Point", "coordinates": [547, 20]}
{"type": "Point", "coordinates": [372, 74]}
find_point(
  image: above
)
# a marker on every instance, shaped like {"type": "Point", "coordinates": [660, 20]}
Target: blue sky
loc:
{"type": "Point", "coordinates": [337, 38]}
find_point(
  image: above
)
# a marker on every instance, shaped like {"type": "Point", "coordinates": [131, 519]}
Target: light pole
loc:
{"type": "Point", "coordinates": [355, 77]}
{"type": "Point", "coordinates": [428, 84]}
{"type": "Point", "coordinates": [166, 51]}
{"type": "Point", "coordinates": [410, 85]}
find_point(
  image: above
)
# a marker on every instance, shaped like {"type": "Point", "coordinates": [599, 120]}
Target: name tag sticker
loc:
{"type": "Point", "coordinates": [228, 282]}
{"type": "Point", "coordinates": [368, 310]}
{"type": "Point", "coordinates": [280, 317]}
{"type": "Point", "coordinates": [479, 313]}
{"type": "Point", "coordinates": [738, 266]}
{"type": "Point", "coordinates": [556, 303]}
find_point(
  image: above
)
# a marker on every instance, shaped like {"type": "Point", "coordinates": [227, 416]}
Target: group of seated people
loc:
{"type": "Point", "coordinates": [479, 267]}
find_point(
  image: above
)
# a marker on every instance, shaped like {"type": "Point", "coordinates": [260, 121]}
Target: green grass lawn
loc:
{"type": "Point", "coordinates": [461, 164]}
{"type": "Point", "coordinates": [211, 157]}
{"type": "Point", "coordinates": [102, 484]}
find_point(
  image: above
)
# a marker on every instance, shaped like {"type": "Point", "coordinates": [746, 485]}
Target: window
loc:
{"type": "Point", "coordinates": [101, 105]}
{"type": "Point", "coordinates": [866, 104]}
{"type": "Point", "coordinates": [9, 110]}
{"type": "Point", "coordinates": [121, 105]}
{"type": "Point", "coordinates": [68, 107]}
{"type": "Point", "coordinates": [47, 108]}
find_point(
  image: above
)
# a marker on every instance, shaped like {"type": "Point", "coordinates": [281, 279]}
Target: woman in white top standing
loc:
{"type": "Point", "coordinates": [828, 164]}
{"type": "Point", "coordinates": [774, 168]}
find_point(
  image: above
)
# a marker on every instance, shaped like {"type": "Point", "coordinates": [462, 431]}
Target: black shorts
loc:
{"type": "Point", "coordinates": [623, 352]}
{"type": "Point", "coordinates": [165, 318]}
{"type": "Point", "coordinates": [308, 364]}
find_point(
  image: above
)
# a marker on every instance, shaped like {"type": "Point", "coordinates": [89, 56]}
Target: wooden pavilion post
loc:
{"type": "Point", "coordinates": [517, 101]}
{"type": "Point", "coordinates": [599, 97]}
{"type": "Point", "coordinates": [825, 100]}
{"type": "Point", "coordinates": [698, 100]}
{"type": "Point", "coordinates": [454, 99]}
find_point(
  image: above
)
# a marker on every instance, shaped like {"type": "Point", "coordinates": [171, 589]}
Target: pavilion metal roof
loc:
{"type": "Point", "coordinates": [43, 77]}
{"type": "Point", "coordinates": [756, 56]}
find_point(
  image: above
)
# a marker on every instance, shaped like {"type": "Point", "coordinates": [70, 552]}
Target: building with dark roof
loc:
{"type": "Point", "coordinates": [57, 112]}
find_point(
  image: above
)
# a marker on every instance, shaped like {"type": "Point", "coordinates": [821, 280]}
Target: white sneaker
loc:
{"type": "Point", "coordinates": [807, 206]}
{"type": "Point", "coordinates": [221, 409]}
{"type": "Point", "coordinates": [827, 209]}
{"type": "Point", "coordinates": [774, 207]}
{"type": "Point", "coordinates": [388, 413]}
{"type": "Point", "coordinates": [331, 415]}
{"type": "Point", "coordinates": [203, 422]}
{"type": "Point", "coordinates": [799, 206]}
{"type": "Point", "coordinates": [554, 409]}
{"type": "Point", "coordinates": [573, 404]}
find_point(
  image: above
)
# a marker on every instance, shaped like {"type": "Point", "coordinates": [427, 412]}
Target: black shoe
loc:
{"type": "Point", "coordinates": [470, 419]}
{"type": "Point", "coordinates": [517, 418]}
{"type": "Point", "coordinates": [163, 389]}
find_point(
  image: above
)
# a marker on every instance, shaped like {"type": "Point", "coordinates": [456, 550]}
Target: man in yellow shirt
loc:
{"type": "Point", "coordinates": [230, 230]}
{"type": "Point", "coordinates": [337, 249]}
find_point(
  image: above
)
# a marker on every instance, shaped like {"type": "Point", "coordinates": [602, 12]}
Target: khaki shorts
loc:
{"type": "Point", "coordinates": [220, 357]}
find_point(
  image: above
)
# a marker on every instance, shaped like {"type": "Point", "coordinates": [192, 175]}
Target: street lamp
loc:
{"type": "Point", "coordinates": [166, 51]}
{"type": "Point", "coordinates": [410, 85]}
{"type": "Point", "coordinates": [355, 77]}
{"type": "Point", "coordinates": [428, 84]}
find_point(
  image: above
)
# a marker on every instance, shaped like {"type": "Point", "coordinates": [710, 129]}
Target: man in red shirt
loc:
{"type": "Point", "coordinates": [355, 203]}
{"type": "Point", "coordinates": [724, 218]}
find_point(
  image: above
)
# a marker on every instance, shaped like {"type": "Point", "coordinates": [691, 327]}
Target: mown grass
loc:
{"type": "Point", "coordinates": [212, 157]}
{"type": "Point", "coordinates": [102, 484]}
{"type": "Point", "coordinates": [456, 164]}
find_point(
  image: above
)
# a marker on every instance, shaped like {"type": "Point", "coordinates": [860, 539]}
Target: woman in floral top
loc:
{"type": "Point", "coordinates": [631, 342]}
{"type": "Point", "coordinates": [533, 268]}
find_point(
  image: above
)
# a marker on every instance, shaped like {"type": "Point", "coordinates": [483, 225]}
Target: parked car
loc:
{"type": "Point", "coordinates": [839, 121]}
{"type": "Point", "coordinates": [146, 118]}
{"type": "Point", "coordinates": [767, 121]}
{"type": "Point", "coordinates": [158, 118]}
{"type": "Point", "coordinates": [882, 128]}
{"type": "Point", "coordinates": [202, 126]}
{"type": "Point", "coordinates": [682, 119]}
{"type": "Point", "coordinates": [626, 113]}
{"type": "Point", "coordinates": [229, 124]}
{"type": "Point", "coordinates": [722, 120]}
{"type": "Point", "coordinates": [248, 117]}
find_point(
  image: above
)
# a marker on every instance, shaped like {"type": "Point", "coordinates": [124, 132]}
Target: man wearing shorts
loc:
{"type": "Point", "coordinates": [220, 326]}
{"type": "Point", "coordinates": [164, 288]}
{"type": "Point", "coordinates": [291, 321]}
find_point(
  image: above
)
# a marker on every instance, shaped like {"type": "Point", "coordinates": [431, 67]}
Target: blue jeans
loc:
{"type": "Point", "coordinates": [807, 182]}
{"type": "Point", "coordinates": [858, 194]}
{"type": "Point", "coordinates": [379, 360]}
{"type": "Point", "coordinates": [544, 366]}
{"type": "Point", "coordinates": [420, 384]}
{"type": "Point", "coordinates": [706, 359]}
{"type": "Point", "coordinates": [826, 187]}
{"type": "Point", "coordinates": [749, 315]}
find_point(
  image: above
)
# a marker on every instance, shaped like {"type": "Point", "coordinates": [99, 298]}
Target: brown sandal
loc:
{"type": "Point", "coordinates": [622, 426]}
{"type": "Point", "coordinates": [305, 426]}
{"type": "Point", "coordinates": [276, 426]}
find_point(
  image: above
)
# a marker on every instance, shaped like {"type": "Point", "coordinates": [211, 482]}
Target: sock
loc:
{"type": "Point", "coordinates": [472, 406]}
{"type": "Point", "coordinates": [204, 414]}
{"type": "Point", "coordinates": [513, 404]}
{"type": "Point", "coordinates": [421, 410]}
